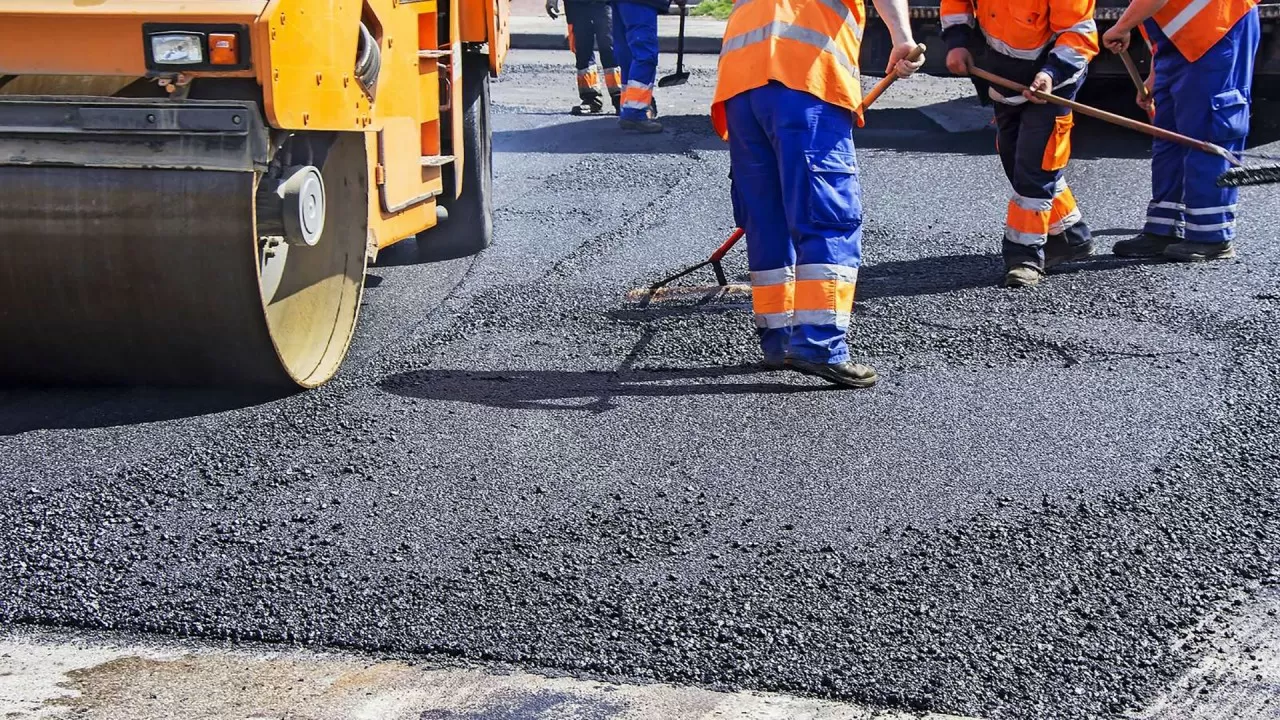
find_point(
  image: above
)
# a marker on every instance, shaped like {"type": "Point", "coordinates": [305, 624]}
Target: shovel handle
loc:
{"type": "Point", "coordinates": [727, 245]}
{"type": "Point", "coordinates": [1134, 75]}
{"type": "Point", "coordinates": [1112, 118]}
{"type": "Point", "coordinates": [887, 80]}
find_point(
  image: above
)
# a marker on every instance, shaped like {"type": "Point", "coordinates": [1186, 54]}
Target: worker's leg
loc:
{"type": "Point", "coordinates": [603, 20]}
{"type": "Point", "coordinates": [641, 23]}
{"type": "Point", "coordinates": [813, 141]}
{"type": "Point", "coordinates": [1166, 212]}
{"type": "Point", "coordinates": [1069, 235]}
{"type": "Point", "coordinates": [758, 209]}
{"type": "Point", "coordinates": [582, 22]}
{"type": "Point", "coordinates": [1214, 105]}
{"type": "Point", "coordinates": [621, 51]}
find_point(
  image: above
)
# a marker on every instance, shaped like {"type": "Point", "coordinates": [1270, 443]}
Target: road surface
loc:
{"type": "Point", "coordinates": [1048, 507]}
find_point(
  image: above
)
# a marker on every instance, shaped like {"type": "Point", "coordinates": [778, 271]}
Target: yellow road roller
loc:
{"type": "Point", "coordinates": [191, 190]}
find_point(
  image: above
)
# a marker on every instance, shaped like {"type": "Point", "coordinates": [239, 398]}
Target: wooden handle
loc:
{"type": "Point", "coordinates": [887, 80]}
{"type": "Point", "coordinates": [1134, 75]}
{"type": "Point", "coordinates": [1112, 118]}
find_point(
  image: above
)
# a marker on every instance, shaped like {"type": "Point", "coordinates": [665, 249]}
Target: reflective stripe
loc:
{"type": "Point", "coordinates": [846, 16]}
{"type": "Point", "coordinates": [1005, 48]}
{"type": "Point", "coordinates": [957, 19]}
{"type": "Point", "coordinates": [1207, 228]}
{"type": "Point", "coordinates": [1165, 205]}
{"type": "Point", "coordinates": [773, 277]}
{"type": "Point", "coordinates": [637, 96]}
{"type": "Point", "coordinates": [822, 317]}
{"type": "Point", "coordinates": [788, 31]}
{"type": "Point", "coordinates": [773, 321]}
{"type": "Point", "coordinates": [1084, 27]}
{"type": "Point", "coordinates": [1023, 238]}
{"type": "Point", "coordinates": [1058, 227]}
{"type": "Point", "coordinates": [1033, 204]}
{"type": "Point", "coordinates": [1069, 55]}
{"type": "Point", "coordinates": [826, 271]}
{"type": "Point", "coordinates": [1212, 210]}
{"type": "Point", "coordinates": [613, 78]}
{"type": "Point", "coordinates": [1180, 20]}
{"type": "Point", "coordinates": [1165, 221]}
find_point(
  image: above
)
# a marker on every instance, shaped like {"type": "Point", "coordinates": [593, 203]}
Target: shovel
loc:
{"type": "Point", "coordinates": [680, 76]}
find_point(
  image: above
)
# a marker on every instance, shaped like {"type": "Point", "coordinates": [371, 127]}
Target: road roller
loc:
{"type": "Point", "coordinates": [191, 190]}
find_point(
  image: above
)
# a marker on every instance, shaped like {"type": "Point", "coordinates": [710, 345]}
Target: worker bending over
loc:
{"type": "Point", "coordinates": [1047, 45]}
{"type": "Point", "coordinates": [635, 39]}
{"type": "Point", "coordinates": [591, 26]}
{"type": "Point", "coordinates": [1201, 74]}
{"type": "Point", "coordinates": [786, 100]}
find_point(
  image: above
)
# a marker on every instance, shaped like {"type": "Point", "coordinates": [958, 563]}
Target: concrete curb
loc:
{"type": "Point", "coordinates": [701, 37]}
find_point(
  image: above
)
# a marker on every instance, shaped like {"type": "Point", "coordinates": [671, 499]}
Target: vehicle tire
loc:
{"type": "Point", "coordinates": [469, 227]}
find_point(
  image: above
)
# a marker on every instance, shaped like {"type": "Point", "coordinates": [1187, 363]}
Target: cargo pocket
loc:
{"type": "Point", "coordinates": [1058, 150]}
{"type": "Point", "coordinates": [1230, 116]}
{"type": "Point", "coordinates": [833, 189]}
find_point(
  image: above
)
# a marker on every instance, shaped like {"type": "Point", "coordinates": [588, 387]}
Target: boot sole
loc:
{"type": "Point", "coordinates": [1202, 257]}
{"type": "Point", "coordinates": [812, 371]}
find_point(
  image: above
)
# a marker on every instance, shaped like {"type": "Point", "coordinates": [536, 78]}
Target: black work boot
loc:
{"type": "Point", "coordinates": [616, 99]}
{"type": "Point", "coordinates": [1144, 244]}
{"type": "Point", "coordinates": [1023, 265]}
{"type": "Point", "coordinates": [1058, 251]}
{"type": "Point", "coordinates": [847, 373]}
{"type": "Point", "coordinates": [640, 126]}
{"type": "Point", "coordinates": [591, 104]}
{"type": "Point", "coordinates": [1188, 251]}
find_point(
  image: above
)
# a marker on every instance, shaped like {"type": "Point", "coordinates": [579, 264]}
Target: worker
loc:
{"type": "Point", "coordinates": [1046, 45]}
{"type": "Point", "coordinates": [787, 100]}
{"type": "Point", "coordinates": [1200, 82]}
{"type": "Point", "coordinates": [635, 39]}
{"type": "Point", "coordinates": [590, 27]}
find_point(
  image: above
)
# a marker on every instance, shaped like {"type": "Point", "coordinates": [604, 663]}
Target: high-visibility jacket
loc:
{"type": "Point", "coordinates": [1194, 26]}
{"type": "Point", "coordinates": [808, 45]}
{"type": "Point", "coordinates": [1025, 29]}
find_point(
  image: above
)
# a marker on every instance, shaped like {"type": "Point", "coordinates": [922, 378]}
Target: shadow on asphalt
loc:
{"type": "Point", "coordinates": [943, 274]}
{"type": "Point", "coordinates": [55, 408]}
{"type": "Point", "coordinates": [552, 389]}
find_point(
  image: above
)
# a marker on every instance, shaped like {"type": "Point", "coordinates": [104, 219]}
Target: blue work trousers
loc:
{"type": "Point", "coordinates": [635, 42]}
{"type": "Point", "coordinates": [1209, 100]}
{"type": "Point", "coordinates": [794, 177]}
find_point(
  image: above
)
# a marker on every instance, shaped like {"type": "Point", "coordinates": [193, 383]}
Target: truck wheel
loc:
{"type": "Point", "coordinates": [469, 227]}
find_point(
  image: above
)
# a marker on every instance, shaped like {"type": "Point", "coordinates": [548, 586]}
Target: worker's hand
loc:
{"type": "Point", "coordinates": [1043, 83]}
{"type": "Point", "coordinates": [1116, 38]}
{"type": "Point", "coordinates": [898, 62]}
{"type": "Point", "coordinates": [1147, 100]}
{"type": "Point", "coordinates": [553, 8]}
{"type": "Point", "coordinates": [959, 61]}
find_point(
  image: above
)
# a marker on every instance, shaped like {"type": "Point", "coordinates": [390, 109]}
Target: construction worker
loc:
{"type": "Point", "coordinates": [1201, 76]}
{"type": "Point", "coordinates": [1046, 45]}
{"type": "Point", "coordinates": [787, 100]}
{"type": "Point", "coordinates": [635, 39]}
{"type": "Point", "coordinates": [591, 26]}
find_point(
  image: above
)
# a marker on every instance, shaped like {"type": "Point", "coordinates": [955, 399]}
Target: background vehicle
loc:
{"type": "Point", "coordinates": [1107, 67]}
{"type": "Point", "coordinates": [190, 191]}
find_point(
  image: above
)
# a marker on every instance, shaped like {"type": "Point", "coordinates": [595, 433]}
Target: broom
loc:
{"type": "Point", "coordinates": [706, 293]}
{"type": "Point", "coordinates": [1236, 176]}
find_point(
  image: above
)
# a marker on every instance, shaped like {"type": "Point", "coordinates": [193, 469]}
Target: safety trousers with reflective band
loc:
{"type": "Point", "coordinates": [587, 81]}
{"type": "Point", "coordinates": [613, 80]}
{"type": "Point", "coordinates": [809, 46]}
{"type": "Point", "coordinates": [1207, 99]}
{"type": "Point", "coordinates": [635, 40]}
{"type": "Point", "coordinates": [796, 193]}
{"type": "Point", "coordinates": [1034, 142]}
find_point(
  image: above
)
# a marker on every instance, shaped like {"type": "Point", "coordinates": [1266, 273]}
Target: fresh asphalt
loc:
{"type": "Point", "coordinates": [1048, 489]}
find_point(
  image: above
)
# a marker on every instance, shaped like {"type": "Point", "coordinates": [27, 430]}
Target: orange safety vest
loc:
{"type": "Point", "coordinates": [1022, 29]}
{"type": "Point", "coordinates": [1194, 26]}
{"type": "Point", "coordinates": [808, 45]}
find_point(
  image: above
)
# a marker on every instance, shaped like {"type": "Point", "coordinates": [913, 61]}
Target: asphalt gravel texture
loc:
{"type": "Point", "coordinates": [1047, 501]}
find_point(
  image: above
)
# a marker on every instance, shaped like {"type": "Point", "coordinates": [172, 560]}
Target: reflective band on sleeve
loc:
{"type": "Point", "coordinates": [787, 31]}
{"type": "Point", "coordinates": [1070, 55]}
{"type": "Point", "coordinates": [1180, 20]}
{"type": "Point", "coordinates": [1005, 48]}
{"type": "Point", "coordinates": [827, 271]}
{"type": "Point", "coordinates": [957, 19]}
{"type": "Point", "coordinates": [1084, 27]}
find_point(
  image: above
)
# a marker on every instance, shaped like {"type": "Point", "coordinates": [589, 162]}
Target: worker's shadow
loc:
{"type": "Point", "coordinates": [939, 275]}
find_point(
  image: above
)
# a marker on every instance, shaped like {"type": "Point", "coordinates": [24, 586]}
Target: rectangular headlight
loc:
{"type": "Point", "coordinates": [177, 48]}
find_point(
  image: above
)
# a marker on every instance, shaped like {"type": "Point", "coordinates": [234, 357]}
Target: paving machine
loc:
{"type": "Point", "coordinates": [191, 190]}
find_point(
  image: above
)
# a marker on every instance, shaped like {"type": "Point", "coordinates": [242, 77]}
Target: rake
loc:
{"type": "Point", "coordinates": [1236, 176]}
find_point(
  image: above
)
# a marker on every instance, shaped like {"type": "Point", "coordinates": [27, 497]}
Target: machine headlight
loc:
{"type": "Point", "coordinates": [177, 49]}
